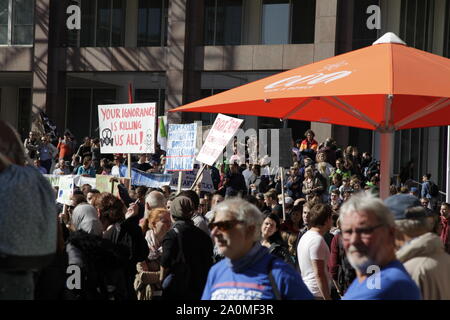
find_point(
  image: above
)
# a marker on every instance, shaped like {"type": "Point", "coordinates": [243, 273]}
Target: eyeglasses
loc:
{"type": "Point", "coordinates": [364, 233]}
{"type": "Point", "coordinates": [224, 225]}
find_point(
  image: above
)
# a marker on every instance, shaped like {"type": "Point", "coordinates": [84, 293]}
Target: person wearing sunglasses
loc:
{"type": "Point", "coordinates": [248, 270]}
{"type": "Point", "coordinates": [368, 238]}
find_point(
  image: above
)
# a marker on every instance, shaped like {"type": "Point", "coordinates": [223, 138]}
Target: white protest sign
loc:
{"type": "Point", "coordinates": [127, 128]}
{"type": "Point", "coordinates": [222, 131]}
{"type": "Point", "coordinates": [182, 139]}
{"type": "Point", "coordinates": [188, 179]}
{"type": "Point", "coordinates": [65, 189]}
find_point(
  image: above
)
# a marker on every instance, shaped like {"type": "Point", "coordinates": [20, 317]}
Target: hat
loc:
{"type": "Point", "coordinates": [182, 207]}
{"type": "Point", "coordinates": [414, 190]}
{"type": "Point", "coordinates": [399, 205]}
{"type": "Point", "coordinates": [287, 200]}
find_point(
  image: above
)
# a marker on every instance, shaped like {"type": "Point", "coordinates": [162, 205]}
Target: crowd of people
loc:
{"type": "Point", "coordinates": [331, 238]}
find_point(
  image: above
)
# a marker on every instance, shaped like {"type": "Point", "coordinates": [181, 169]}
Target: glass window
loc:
{"type": "Point", "coordinates": [416, 23]}
{"type": "Point", "coordinates": [275, 22]}
{"type": "Point", "coordinates": [103, 23]}
{"type": "Point", "coordinates": [303, 21]}
{"type": "Point", "coordinates": [23, 22]}
{"type": "Point", "coordinates": [447, 31]}
{"type": "Point", "coordinates": [78, 113]}
{"type": "Point", "coordinates": [118, 23]}
{"type": "Point", "coordinates": [151, 95]}
{"type": "Point", "coordinates": [4, 4]}
{"type": "Point", "coordinates": [100, 96]}
{"type": "Point", "coordinates": [152, 25]}
{"type": "Point", "coordinates": [223, 22]}
{"type": "Point", "coordinates": [24, 106]}
{"type": "Point", "coordinates": [87, 34]}
{"type": "Point", "coordinates": [363, 36]}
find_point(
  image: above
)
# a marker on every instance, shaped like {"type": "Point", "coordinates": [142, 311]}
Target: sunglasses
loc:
{"type": "Point", "coordinates": [224, 225]}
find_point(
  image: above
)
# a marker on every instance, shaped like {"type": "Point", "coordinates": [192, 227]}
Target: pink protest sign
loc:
{"type": "Point", "coordinates": [222, 131]}
{"type": "Point", "coordinates": [127, 128]}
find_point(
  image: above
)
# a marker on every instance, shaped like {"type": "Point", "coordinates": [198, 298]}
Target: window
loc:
{"type": "Point", "coordinates": [16, 22]}
{"type": "Point", "coordinates": [82, 109]}
{"type": "Point", "coordinates": [102, 24]}
{"type": "Point", "coordinates": [153, 21]}
{"type": "Point", "coordinates": [223, 22]}
{"type": "Point", "coordinates": [24, 107]}
{"type": "Point", "coordinates": [363, 36]}
{"type": "Point", "coordinates": [275, 22]}
{"type": "Point", "coordinates": [152, 95]}
{"type": "Point", "coordinates": [416, 23]}
{"type": "Point", "coordinates": [288, 21]}
{"type": "Point", "coordinates": [447, 31]}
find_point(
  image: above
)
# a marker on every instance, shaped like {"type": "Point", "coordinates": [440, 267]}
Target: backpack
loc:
{"type": "Point", "coordinates": [176, 284]}
{"type": "Point", "coordinates": [434, 189]}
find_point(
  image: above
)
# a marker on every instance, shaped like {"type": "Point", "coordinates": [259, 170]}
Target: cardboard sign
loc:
{"type": "Point", "coordinates": [221, 133]}
{"type": "Point", "coordinates": [103, 184]}
{"type": "Point", "coordinates": [65, 191]}
{"type": "Point", "coordinates": [188, 179]}
{"type": "Point", "coordinates": [182, 139]}
{"type": "Point", "coordinates": [127, 128]}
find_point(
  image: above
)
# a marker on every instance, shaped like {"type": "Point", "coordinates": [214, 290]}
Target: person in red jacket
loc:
{"type": "Point", "coordinates": [309, 146]}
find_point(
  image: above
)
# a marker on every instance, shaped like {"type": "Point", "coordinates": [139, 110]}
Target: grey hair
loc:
{"type": "Point", "coordinates": [155, 199]}
{"type": "Point", "coordinates": [243, 211]}
{"type": "Point", "coordinates": [413, 227]}
{"type": "Point", "coordinates": [363, 201]}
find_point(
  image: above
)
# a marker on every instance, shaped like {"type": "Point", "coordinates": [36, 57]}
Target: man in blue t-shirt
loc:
{"type": "Point", "coordinates": [368, 237]}
{"type": "Point", "coordinates": [248, 271]}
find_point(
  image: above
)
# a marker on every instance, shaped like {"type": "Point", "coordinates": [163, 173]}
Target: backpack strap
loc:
{"type": "Point", "coordinates": [275, 289]}
{"type": "Point", "coordinates": [180, 257]}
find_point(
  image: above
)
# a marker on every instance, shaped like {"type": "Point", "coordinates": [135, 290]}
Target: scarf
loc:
{"type": "Point", "coordinates": [85, 218]}
{"type": "Point", "coordinates": [155, 248]}
{"type": "Point", "coordinates": [252, 257]}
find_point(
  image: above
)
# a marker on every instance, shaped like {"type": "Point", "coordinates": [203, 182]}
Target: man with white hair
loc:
{"type": "Point", "coordinates": [420, 250]}
{"type": "Point", "coordinates": [153, 200]}
{"type": "Point", "coordinates": [368, 237]}
{"type": "Point", "coordinates": [248, 270]}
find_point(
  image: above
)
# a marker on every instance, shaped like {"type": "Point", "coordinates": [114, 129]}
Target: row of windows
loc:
{"type": "Point", "coordinates": [104, 22]}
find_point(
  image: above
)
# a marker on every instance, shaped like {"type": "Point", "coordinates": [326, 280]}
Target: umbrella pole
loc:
{"type": "Point", "coordinates": [387, 140]}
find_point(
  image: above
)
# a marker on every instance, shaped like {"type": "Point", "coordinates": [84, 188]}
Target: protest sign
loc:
{"type": "Point", "coordinates": [222, 131]}
{"type": "Point", "coordinates": [181, 147]}
{"type": "Point", "coordinates": [150, 180]}
{"type": "Point", "coordinates": [53, 179]}
{"type": "Point", "coordinates": [127, 128]}
{"type": "Point", "coordinates": [188, 179]}
{"type": "Point", "coordinates": [103, 184]}
{"type": "Point", "coordinates": [65, 189]}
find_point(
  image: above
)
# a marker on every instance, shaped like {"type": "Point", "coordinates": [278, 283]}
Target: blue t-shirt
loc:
{"type": "Point", "coordinates": [89, 171]}
{"type": "Point", "coordinates": [253, 283]}
{"type": "Point", "coordinates": [394, 284]}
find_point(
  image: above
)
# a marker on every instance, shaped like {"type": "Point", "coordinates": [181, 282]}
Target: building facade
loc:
{"type": "Point", "coordinates": [177, 51]}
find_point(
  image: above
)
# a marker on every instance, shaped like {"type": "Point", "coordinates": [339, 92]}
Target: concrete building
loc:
{"type": "Point", "coordinates": [177, 51]}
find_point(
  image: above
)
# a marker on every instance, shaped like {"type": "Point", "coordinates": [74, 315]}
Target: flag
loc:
{"type": "Point", "coordinates": [162, 132]}
{"type": "Point", "coordinates": [130, 93]}
{"type": "Point", "coordinates": [49, 127]}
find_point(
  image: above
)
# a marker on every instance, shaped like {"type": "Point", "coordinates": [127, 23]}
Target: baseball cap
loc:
{"type": "Point", "coordinates": [399, 205]}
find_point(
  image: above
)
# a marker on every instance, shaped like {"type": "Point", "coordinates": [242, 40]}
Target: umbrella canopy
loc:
{"type": "Point", "coordinates": [350, 89]}
{"type": "Point", "coordinates": [384, 87]}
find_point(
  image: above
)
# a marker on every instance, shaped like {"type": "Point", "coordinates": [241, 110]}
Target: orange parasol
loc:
{"type": "Point", "coordinates": [384, 87]}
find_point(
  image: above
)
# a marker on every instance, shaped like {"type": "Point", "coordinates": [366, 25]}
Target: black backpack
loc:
{"type": "Point", "coordinates": [434, 189]}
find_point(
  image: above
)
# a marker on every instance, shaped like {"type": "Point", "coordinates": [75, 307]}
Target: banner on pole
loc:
{"type": "Point", "coordinates": [150, 180]}
{"type": "Point", "coordinates": [127, 128]}
{"type": "Point", "coordinates": [222, 131]}
{"type": "Point", "coordinates": [65, 189]}
{"type": "Point", "coordinates": [182, 139]}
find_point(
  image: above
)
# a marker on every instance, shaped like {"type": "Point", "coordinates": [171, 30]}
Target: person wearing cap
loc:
{"type": "Point", "coordinates": [248, 271]}
{"type": "Point", "coordinates": [420, 250]}
{"type": "Point", "coordinates": [414, 192]}
{"type": "Point", "coordinates": [368, 238]}
{"type": "Point", "coordinates": [186, 254]}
